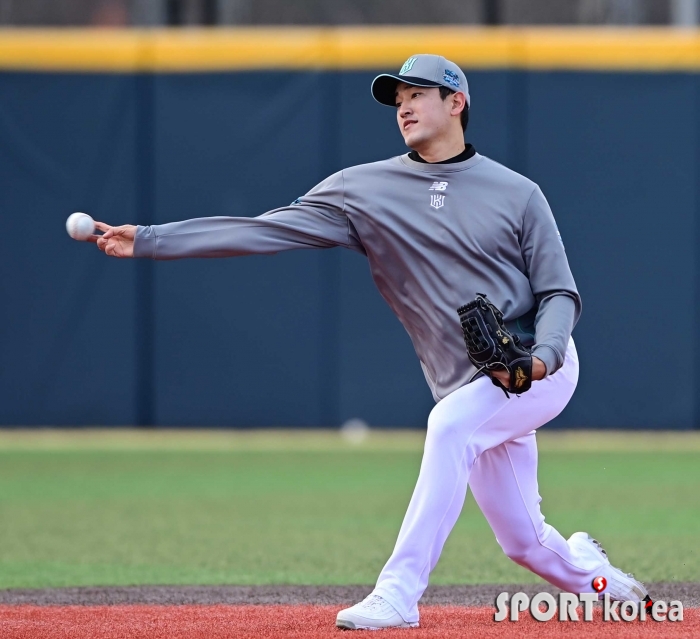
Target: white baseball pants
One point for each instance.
(478, 437)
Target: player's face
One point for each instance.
(421, 113)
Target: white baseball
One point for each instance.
(80, 226)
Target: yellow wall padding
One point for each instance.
(223, 49)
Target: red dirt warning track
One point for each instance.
(222, 621)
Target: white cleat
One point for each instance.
(372, 613)
(620, 586)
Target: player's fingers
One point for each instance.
(115, 249)
(127, 230)
(93, 238)
(117, 231)
(102, 226)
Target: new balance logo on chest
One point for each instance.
(438, 201)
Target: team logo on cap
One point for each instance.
(407, 66)
(451, 78)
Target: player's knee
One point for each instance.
(522, 550)
(519, 555)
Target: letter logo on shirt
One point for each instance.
(438, 186)
(437, 201)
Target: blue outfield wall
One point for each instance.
(303, 338)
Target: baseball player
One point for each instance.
(439, 225)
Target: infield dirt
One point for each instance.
(296, 621)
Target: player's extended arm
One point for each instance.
(551, 281)
(315, 220)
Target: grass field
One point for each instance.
(126, 507)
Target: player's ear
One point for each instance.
(459, 103)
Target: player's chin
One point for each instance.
(413, 138)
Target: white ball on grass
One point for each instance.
(80, 226)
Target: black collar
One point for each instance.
(469, 152)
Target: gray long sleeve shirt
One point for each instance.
(434, 235)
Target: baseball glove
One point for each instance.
(491, 347)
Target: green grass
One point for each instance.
(122, 507)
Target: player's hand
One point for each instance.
(117, 241)
(539, 370)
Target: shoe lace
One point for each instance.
(372, 602)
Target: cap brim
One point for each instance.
(384, 86)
